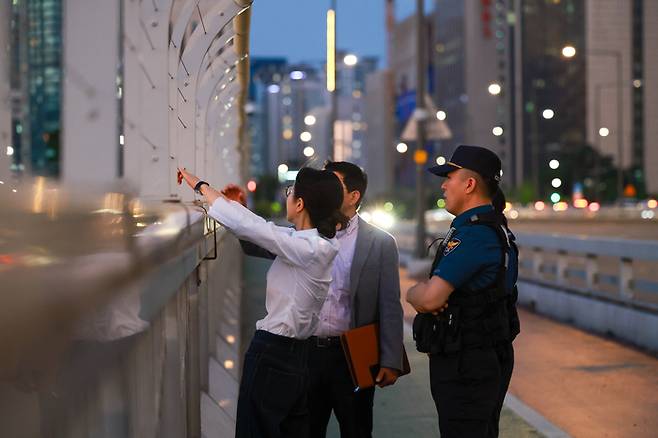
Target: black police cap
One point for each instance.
(475, 158)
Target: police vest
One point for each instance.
(473, 318)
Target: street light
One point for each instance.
(548, 113)
(497, 131)
(440, 161)
(305, 136)
(441, 115)
(494, 89)
(297, 75)
(331, 49)
(401, 147)
(350, 60)
(309, 120)
(604, 132)
(554, 164)
(568, 51)
(309, 151)
(420, 154)
(557, 182)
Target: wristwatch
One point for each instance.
(197, 187)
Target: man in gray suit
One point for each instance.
(365, 289)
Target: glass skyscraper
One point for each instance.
(37, 78)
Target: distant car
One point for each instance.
(438, 215)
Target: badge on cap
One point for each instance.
(450, 247)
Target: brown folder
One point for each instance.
(361, 347)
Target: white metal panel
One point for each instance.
(187, 151)
(90, 108)
(146, 98)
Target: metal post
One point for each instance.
(331, 57)
(620, 130)
(591, 272)
(420, 139)
(597, 142)
(534, 127)
(620, 117)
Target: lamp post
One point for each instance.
(599, 132)
(420, 114)
(569, 52)
(534, 129)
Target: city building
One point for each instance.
(299, 91)
(6, 142)
(583, 74)
(351, 131)
(621, 73)
(550, 105)
(290, 111)
(470, 56)
(650, 95)
(402, 63)
(36, 81)
(380, 154)
(263, 73)
(504, 80)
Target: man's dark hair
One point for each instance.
(353, 176)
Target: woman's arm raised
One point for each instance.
(249, 226)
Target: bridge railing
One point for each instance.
(623, 271)
(118, 317)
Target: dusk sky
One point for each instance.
(295, 29)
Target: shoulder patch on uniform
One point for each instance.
(452, 244)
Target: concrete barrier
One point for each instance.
(629, 324)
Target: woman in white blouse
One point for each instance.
(273, 400)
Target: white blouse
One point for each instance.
(297, 281)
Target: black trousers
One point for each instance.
(331, 388)
(469, 388)
(273, 400)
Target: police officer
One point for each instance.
(467, 316)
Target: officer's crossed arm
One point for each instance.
(431, 295)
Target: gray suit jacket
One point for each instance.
(374, 286)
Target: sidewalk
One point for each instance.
(568, 382)
(587, 385)
(404, 410)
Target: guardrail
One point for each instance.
(619, 270)
(118, 317)
(624, 271)
(605, 285)
(641, 211)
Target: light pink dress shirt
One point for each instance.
(336, 310)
